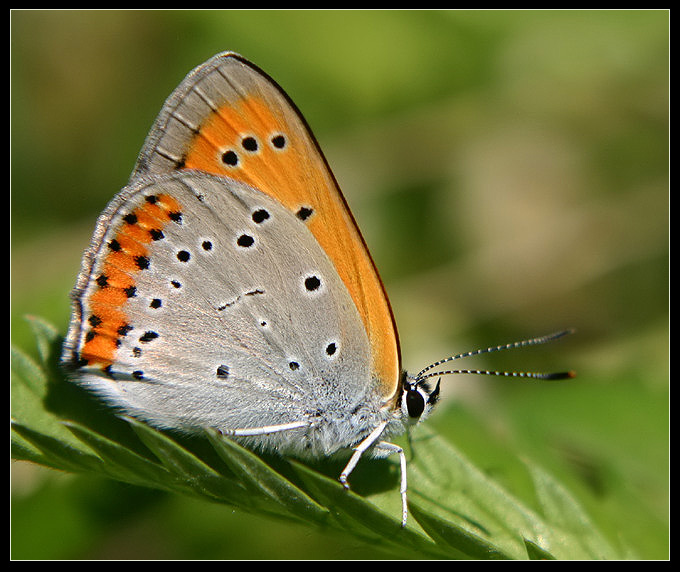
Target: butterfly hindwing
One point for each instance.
(220, 314)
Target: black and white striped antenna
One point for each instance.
(423, 375)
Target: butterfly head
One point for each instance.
(418, 397)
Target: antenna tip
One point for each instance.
(562, 375)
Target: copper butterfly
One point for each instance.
(228, 286)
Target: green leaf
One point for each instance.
(456, 511)
(21, 451)
(462, 543)
(580, 538)
(30, 385)
(28, 372)
(447, 487)
(191, 472)
(535, 552)
(450, 488)
(58, 453)
(120, 462)
(260, 479)
(363, 518)
(48, 340)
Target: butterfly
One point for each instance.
(228, 286)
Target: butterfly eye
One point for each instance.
(415, 403)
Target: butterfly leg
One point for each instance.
(359, 450)
(265, 430)
(390, 448)
(387, 448)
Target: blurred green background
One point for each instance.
(509, 170)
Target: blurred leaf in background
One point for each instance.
(509, 171)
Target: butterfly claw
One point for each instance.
(343, 481)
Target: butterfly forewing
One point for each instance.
(229, 118)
